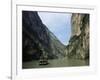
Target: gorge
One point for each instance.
(36, 37)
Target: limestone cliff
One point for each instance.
(78, 46)
(36, 36)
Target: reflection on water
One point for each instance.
(63, 62)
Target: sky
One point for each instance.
(58, 23)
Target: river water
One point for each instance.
(63, 62)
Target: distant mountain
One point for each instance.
(36, 37)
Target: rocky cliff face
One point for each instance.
(79, 42)
(36, 36)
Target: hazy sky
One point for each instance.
(58, 23)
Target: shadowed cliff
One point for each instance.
(36, 36)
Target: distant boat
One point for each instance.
(43, 59)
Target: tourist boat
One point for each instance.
(43, 59)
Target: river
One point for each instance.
(63, 62)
